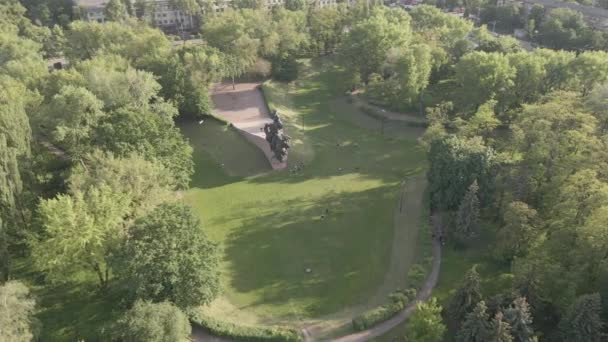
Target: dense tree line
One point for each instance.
(521, 147)
(90, 162)
(518, 146)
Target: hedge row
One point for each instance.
(246, 333)
(398, 301)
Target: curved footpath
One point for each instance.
(200, 335)
(423, 295)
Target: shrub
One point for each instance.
(153, 322)
(246, 333)
(398, 301)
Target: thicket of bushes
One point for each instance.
(398, 301)
(246, 333)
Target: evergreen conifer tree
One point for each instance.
(466, 297)
(476, 327)
(582, 322)
(468, 214)
(500, 329)
(519, 317)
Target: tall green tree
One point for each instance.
(187, 74)
(414, 70)
(597, 102)
(482, 123)
(71, 117)
(115, 10)
(484, 76)
(150, 133)
(80, 233)
(467, 217)
(564, 28)
(113, 81)
(476, 327)
(545, 131)
(139, 43)
(365, 47)
(582, 322)
(145, 184)
(520, 319)
(426, 324)
(455, 164)
(558, 73)
(17, 309)
(530, 74)
(20, 58)
(168, 257)
(15, 141)
(591, 69)
(326, 25)
(518, 232)
(228, 33)
(466, 297)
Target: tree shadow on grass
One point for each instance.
(343, 238)
(78, 312)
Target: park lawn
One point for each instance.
(270, 224)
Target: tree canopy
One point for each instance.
(168, 257)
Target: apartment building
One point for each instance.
(165, 16)
(92, 10)
(159, 13)
(162, 14)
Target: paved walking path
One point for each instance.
(423, 295)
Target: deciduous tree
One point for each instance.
(484, 76)
(154, 322)
(518, 232)
(115, 10)
(168, 257)
(80, 233)
(455, 164)
(17, 309)
(365, 47)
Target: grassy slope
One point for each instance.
(270, 225)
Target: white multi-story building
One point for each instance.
(92, 10)
(163, 15)
(158, 12)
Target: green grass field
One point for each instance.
(270, 224)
